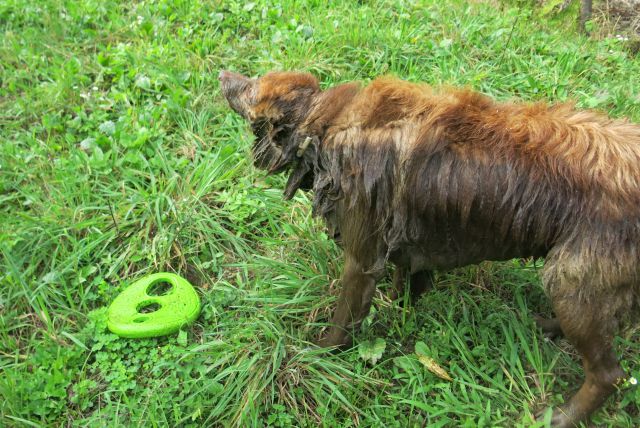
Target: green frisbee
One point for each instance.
(155, 305)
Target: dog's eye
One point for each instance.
(260, 128)
(280, 133)
(276, 133)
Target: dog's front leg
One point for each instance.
(354, 303)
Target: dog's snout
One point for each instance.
(234, 88)
(232, 78)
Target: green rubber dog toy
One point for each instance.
(147, 308)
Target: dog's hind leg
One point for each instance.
(419, 282)
(587, 303)
(592, 293)
(358, 286)
(588, 330)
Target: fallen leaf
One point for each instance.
(434, 367)
(421, 351)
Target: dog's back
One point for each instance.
(452, 168)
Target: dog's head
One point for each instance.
(275, 105)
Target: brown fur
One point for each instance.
(439, 178)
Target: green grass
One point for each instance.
(118, 157)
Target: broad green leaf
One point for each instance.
(372, 350)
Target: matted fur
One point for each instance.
(496, 180)
(436, 178)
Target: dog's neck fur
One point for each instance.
(311, 132)
(326, 107)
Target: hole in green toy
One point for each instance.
(147, 307)
(159, 288)
(140, 319)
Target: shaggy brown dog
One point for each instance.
(436, 179)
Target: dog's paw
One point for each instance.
(550, 327)
(559, 417)
(335, 340)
